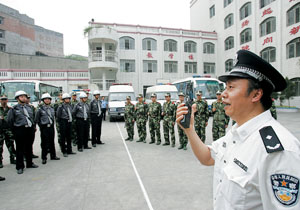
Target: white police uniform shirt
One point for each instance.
(247, 177)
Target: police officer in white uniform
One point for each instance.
(256, 164)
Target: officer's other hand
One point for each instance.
(182, 110)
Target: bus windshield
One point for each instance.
(120, 96)
(209, 88)
(161, 95)
(10, 88)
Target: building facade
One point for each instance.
(66, 73)
(270, 28)
(145, 56)
(19, 34)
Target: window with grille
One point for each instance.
(293, 15)
(245, 11)
(293, 48)
(208, 48)
(269, 54)
(229, 43)
(170, 66)
(246, 36)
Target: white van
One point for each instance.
(160, 91)
(117, 99)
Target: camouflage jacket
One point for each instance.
(3, 117)
(141, 111)
(129, 114)
(73, 103)
(219, 114)
(202, 112)
(154, 110)
(169, 111)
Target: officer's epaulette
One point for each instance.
(270, 139)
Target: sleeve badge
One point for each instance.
(285, 188)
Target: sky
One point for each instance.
(70, 17)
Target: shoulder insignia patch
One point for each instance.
(270, 139)
(285, 188)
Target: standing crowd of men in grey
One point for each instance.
(18, 124)
(155, 112)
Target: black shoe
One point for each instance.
(101, 142)
(1, 165)
(44, 161)
(65, 155)
(87, 147)
(166, 144)
(94, 145)
(80, 150)
(151, 142)
(32, 166)
(34, 156)
(140, 140)
(20, 171)
(180, 147)
(98, 142)
(55, 158)
(127, 139)
(158, 143)
(71, 153)
(2, 178)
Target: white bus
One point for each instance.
(208, 86)
(33, 88)
(160, 91)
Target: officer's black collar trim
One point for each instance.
(253, 73)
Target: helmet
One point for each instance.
(96, 92)
(19, 93)
(66, 95)
(82, 95)
(46, 95)
(74, 93)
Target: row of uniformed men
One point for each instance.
(20, 125)
(155, 112)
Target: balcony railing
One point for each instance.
(108, 56)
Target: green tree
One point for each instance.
(287, 93)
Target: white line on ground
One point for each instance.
(136, 172)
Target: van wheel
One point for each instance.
(111, 119)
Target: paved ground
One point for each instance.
(115, 176)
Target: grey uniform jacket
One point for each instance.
(78, 110)
(42, 117)
(17, 118)
(94, 107)
(62, 111)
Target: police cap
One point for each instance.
(218, 92)
(180, 94)
(140, 96)
(167, 95)
(153, 95)
(74, 94)
(3, 97)
(249, 65)
(198, 93)
(128, 98)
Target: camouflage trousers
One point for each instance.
(142, 130)
(74, 133)
(200, 129)
(169, 127)
(154, 128)
(183, 140)
(218, 129)
(129, 125)
(6, 136)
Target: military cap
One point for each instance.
(180, 94)
(198, 93)
(140, 96)
(167, 95)
(74, 94)
(128, 97)
(218, 92)
(153, 95)
(3, 97)
(250, 65)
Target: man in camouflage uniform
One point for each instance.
(201, 116)
(6, 134)
(183, 140)
(55, 106)
(220, 120)
(74, 131)
(141, 113)
(154, 113)
(129, 117)
(168, 113)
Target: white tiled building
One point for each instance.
(269, 28)
(146, 55)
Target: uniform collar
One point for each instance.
(251, 126)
